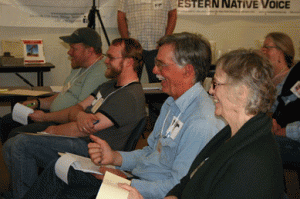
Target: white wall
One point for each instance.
(232, 32)
(229, 32)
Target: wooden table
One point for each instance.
(29, 68)
(14, 98)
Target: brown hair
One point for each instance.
(132, 49)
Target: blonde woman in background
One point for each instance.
(279, 49)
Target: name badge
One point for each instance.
(296, 89)
(97, 105)
(174, 128)
(157, 5)
(98, 96)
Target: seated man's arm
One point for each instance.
(80, 107)
(45, 103)
(293, 131)
(88, 126)
(62, 116)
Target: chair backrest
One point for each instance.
(135, 135)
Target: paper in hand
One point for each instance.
(20, 113)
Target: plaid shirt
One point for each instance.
(147, 19)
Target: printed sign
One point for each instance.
(240, 7)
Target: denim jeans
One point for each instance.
(48, 185)
(25, 153)
(9, 128)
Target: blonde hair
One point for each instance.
(285, 44)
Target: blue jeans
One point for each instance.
(25, 153)
(9, 128)
(48, 185)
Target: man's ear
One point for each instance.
(189, 70)
(91, 50)
(129, 62)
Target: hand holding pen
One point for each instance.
(86, 122)
(31, 104)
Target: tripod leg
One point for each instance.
(103, 28)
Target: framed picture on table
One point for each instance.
(33, 51)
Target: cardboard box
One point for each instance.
(11, 61)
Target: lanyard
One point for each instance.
(99, 100)
(72, 81)
(118, 90)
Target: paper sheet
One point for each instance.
(56, 89)
(48, 134)
(110, 189)
(77, 162)
(20, 113)
(62, 166)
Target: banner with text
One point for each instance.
(240, 7)
(55, 13)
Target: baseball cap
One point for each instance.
(87, 36)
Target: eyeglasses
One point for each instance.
(216, 84)
(160, 65)
(111, 57)
(269, 47)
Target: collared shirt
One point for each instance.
(162, 164)
(292, 129)
(147, 19)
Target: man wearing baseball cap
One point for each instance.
(86, 36)
(86, 75)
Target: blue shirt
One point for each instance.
(292, 129)
(161, 171)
